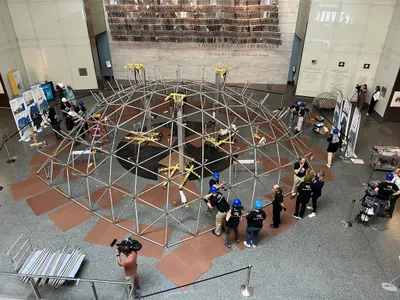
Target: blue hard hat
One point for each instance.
(335, 131)
(213, 190)
(258, 205)
(389, 177)
(81, 103)
(295, 101)
(216, 175)
(236, 202)
(302, 104)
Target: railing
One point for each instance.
(127, 291)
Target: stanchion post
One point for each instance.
(347, 223)
(6, 138)
(34, 289)
(246, 289)
(95, 297)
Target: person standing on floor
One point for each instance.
(130, 268)
(386, 191)
(301, 114)
(294, 110)
(216, 199)
(374, 98)
(300, 170)
(55, 123)
(316, 188)
(233, 218)
(396, 181)
(254, 224)
(335, 142)
(303, 197)
(214, 181)
(361, 97)
(277, 206)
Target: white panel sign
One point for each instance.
(353, 133)
(338, 79)
(345, 117)
(311, 78)
(21, 117)
(338, 110)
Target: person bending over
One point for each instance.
(396, 181)
(385, 192)
(130, 267)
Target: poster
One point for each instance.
(338, 109)
(41, 100)
(311, 78)
(395, 100)
(353, 133)
(33, 110)
(21, 118)
(338, 79)
(345, 119)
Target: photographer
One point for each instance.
(130, 266)
(362, 91)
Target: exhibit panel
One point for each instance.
(345, 42)
(255, 38)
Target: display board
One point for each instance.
(345, 119)
(338, 110)
(41, 100)
(21, 117)
(48, 90)
(33, 110)
(353, 133)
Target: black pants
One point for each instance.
(314, 199)
(371, 106)
(276, 215)
(57, 129)
(392, 205)
(300, 207)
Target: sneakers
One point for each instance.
(237, 241)
(214, 233)
(312, 215)
(253, 245)
(247, 245)
(367, 114)
(328, 165)
(296, 217)
(228, 245)
(309, 207)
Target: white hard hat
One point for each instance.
(64, 99)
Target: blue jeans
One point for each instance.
(254, 231)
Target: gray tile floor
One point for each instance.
(315, 259)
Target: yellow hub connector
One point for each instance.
(222, 70)
(137, 67)
(177, 98)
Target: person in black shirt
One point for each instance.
(216, 199)
(335, 142)
(316, 188)
(233, 218)
(294, 110)
(214, 181)
(54, 122)
(301, 114)
(300, 170)
(303, 197)
(277, 206)
(254, 224)
(385, 191)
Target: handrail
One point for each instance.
(65, 278)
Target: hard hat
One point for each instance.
(295, 102)
(213, 190)
(81, 103)
(302, 104)
(258, 205)
(64, 99)
(236, 202)
(389, 177)
(216, 175)
(335, 131)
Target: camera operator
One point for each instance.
(130, 267)
(362, 91)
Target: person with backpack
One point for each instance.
(255, 221)
(232, 220)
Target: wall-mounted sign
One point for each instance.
(314, 61)
(383, 92)
(366, 66)
(395, 100)
(341, 63)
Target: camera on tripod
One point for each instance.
(128, 245)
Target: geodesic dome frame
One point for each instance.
(120, 182)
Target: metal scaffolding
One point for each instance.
(140, 105)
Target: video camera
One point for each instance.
(127, 244)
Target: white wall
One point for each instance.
(302, 18)
(98, 19)
(10, 55)
(54, 41)
(390, 62)
(350, 31)
(268, 65)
